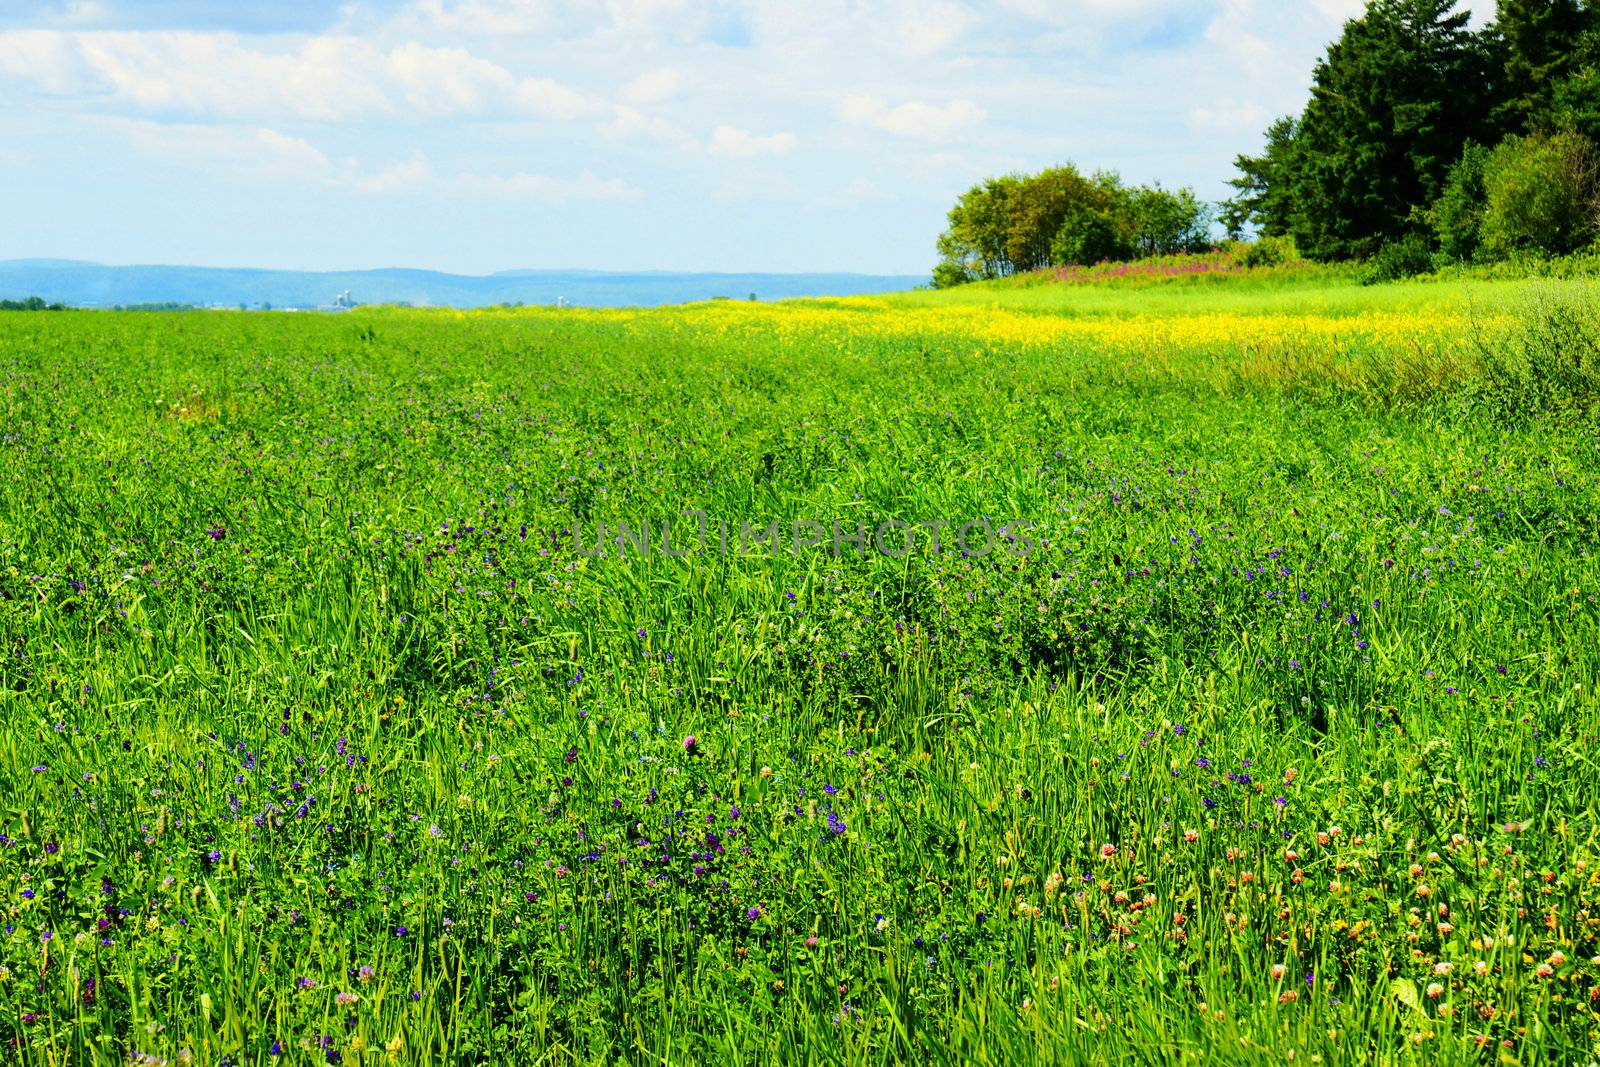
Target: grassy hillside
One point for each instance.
(1262, 725)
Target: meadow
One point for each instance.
(1263, 729)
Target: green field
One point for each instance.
(1271, 734)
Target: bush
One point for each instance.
(1542, 195)
(1264, 251)
(1090, 235)
(1167, 223)
(1401, 257)
(1550, 361)
(1456, 218)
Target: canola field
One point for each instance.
(1084, 673)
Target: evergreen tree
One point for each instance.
(1538, 44)
(1393, 102)
(1263, 198)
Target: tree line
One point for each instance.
(32, 303)
(1018, 223)
(1423, 141)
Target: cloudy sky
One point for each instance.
(483, 135)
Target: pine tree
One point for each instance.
(1393, 102)
(1538, 44)
(1263, 185)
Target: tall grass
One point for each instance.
(1281, 741)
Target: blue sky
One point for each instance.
(483, 135)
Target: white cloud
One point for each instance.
(629, 122)
(487, 17)
(653, 86)
(543, 18)
(912, 119)
(253, 152)
(1247, 118)
(44, 58)
(523, 186)
(552, 100)
(410, 176)
(732, 141)
(1341, 9)
(327, 78)
(416, 175)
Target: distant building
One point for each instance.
(342, 302)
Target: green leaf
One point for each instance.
(1405, 991)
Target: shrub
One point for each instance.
(1264, 251)
(1542, 194)
(1090, 234)
(1401, 257)
(949, 274)
(1456, 218)
(1550, 361)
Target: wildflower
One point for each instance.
(346, 999)
(1107, 851)
(1278, 970)
(1435, 990)
(366, 973)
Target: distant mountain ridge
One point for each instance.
(98, 285)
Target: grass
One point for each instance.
(1280, 738)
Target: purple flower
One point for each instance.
(216, 533)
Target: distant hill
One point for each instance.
(94, 284)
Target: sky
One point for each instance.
(481, 135)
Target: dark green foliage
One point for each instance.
(1533, 42)
(1399, 104)
(974, 244)
(1401, 257)
(1090, 234)
(1167, 223)
(1264, 200)
(1267, 251)
(1392, 104)
(1042, 205)
(1458, 213)
(32, 303)
(1021, 223)
(1542, 195)
(1575, 103)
